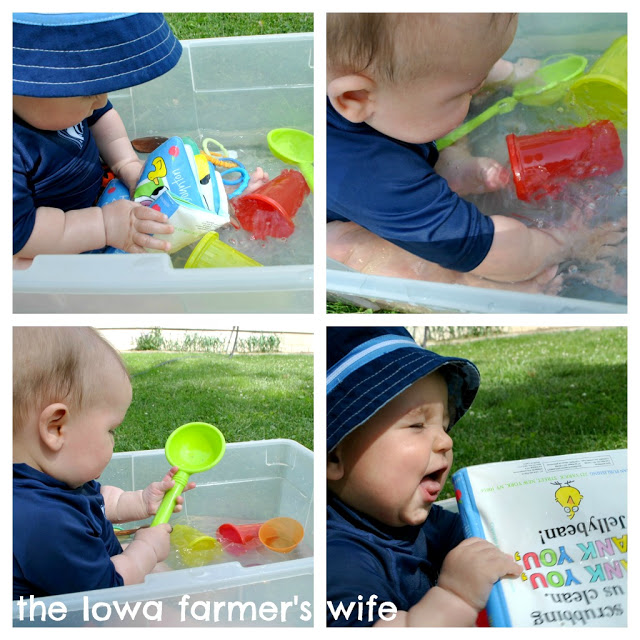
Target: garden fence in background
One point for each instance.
(428, 335)
(232, 340)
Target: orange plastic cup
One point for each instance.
(281, 534)
(269, 211)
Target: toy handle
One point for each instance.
(502, 106)
(307, 171)
(169, 501)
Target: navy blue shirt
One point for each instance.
(60, 169)
(397, 564)
(62, 540)
(391, 188)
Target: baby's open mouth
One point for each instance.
(432, 483)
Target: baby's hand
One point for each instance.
(152, 496)
(471, 569)
(588, 244)
(158, 538)
(127, 225)
(258, 179)
(504, 72)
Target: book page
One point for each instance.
(564, 519)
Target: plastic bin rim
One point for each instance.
(270, 37)
(230, 446)
(449, 296)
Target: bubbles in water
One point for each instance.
(603, 199)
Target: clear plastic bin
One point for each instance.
(538, 36)
(235, 89)
(253, 482)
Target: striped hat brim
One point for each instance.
(366, 373)
(83, 54)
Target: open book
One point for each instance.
(564, 519)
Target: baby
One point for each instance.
(65, 128)
(390, 407)
(395, 84)
(70, 393)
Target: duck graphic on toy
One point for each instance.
(179, 181)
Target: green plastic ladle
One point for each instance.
(194, 447)
(293, 146)
(546, 86)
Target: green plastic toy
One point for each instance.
(293, 146)
(194, 447)
(545, 87)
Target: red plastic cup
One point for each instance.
(270, 210)
(238, 533)
(542, 164)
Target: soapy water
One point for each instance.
(297, 249)
(601, 199)
(257, 554)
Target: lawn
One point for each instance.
(248, 397)
(542, 395)
(346, 307)
(188, 26)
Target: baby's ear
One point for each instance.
(51, 423)
(351, 96)
(335, 468)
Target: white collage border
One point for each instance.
(320, 320)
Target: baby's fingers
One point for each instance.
(618, 251)
(512, 568)
(145, 241)
(167, 480)
(151, 226)
(150, 213)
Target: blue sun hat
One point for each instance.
(82, 54)
(369, 366)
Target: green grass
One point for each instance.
(345, 307)
(543, 395)
(188, 26)
(248, 397)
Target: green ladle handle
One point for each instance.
(169, 501)
(502, 106)
(307, 171)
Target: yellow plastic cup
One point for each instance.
(211, 252)
(195, 548)
(281, 534)
(601, 93)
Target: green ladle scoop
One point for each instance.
(545, 87)
(194, 447)
(293, 146)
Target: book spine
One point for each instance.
(497, 611)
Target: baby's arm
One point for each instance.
(149, 547)
(115, 148)
(520, 253)
(125, 506)
(468, 574)
(122, 224)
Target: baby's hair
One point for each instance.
(57, 364)
(382, 44)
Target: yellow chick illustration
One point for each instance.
(569, 498)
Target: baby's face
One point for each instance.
(396, 464)
(89, 434)
(56, 114)
(435, 103)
